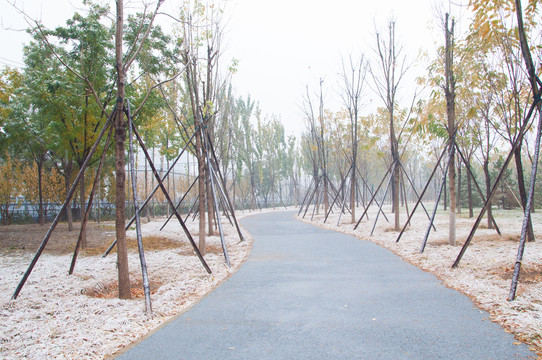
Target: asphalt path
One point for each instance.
(309, 293)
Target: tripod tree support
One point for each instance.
(212, 180)
(450, 158)
(373, 197)
(145, 203)
(224, 191)
(527, 214)
(180, 202)
(63, 208)
(422, 194)
(497, 180)
(536, 86)
(90, 202)
(168, 198)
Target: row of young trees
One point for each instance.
(95, 75)
(473, 104)
(84, 78)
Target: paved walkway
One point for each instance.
(308, 293)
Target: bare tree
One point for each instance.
(387, 77)
(202, 29)
(353, 84)
(449, 91)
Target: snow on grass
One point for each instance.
(53, 318)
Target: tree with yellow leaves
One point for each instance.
(52, 187)
(10, 187)
(10, 81)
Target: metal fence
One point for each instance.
(26, 213)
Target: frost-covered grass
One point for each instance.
(53, 319)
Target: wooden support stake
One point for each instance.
(147, 200)
(373, 197)
(417, 196)
(90, 202)
(172, 206)
(337, 195)
(63, 208)
(133, 175)
(424, 243)
(494, 188)
(528, 208)
(225, 193)
(423, 192)
(309, 191)
(212, 179)
(477, 186)
(384, 197)
(180, 202)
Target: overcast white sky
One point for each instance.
(282, 45)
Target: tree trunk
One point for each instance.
(120, 171)
(469, 189)
(147, 212)
(209, 196)
(459, 187)
(396, 197)
(67, 184)
(453, 197)
(152, 185)
(450, 110)
(83, 212)
(445, 194)
(99, 200)
(353, 188)
(396, 173)
(522, 192)
(41, 217)
(201, 193)
(488, 192)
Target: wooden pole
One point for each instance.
(383, 197)
(223, 188)
(146, 202)
(373, 197)
(183, 225)
(180, 202)
(90, 202)
(314, 191)
(309, 191)
(424, 243)
(344, 194)
(143, 263)
(212, 180)
(527, 214)
(423, 193)
(66, 201)
(337, 195)
(536, 85)
(417, 196)
(494, 188)
(477, 185)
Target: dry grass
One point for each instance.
(150, 243)
(110, 289)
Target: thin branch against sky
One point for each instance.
(282, 45)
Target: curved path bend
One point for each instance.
(309, 293)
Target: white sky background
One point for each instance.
(282, 45)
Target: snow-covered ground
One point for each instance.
(53, 318)
(485, 271)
